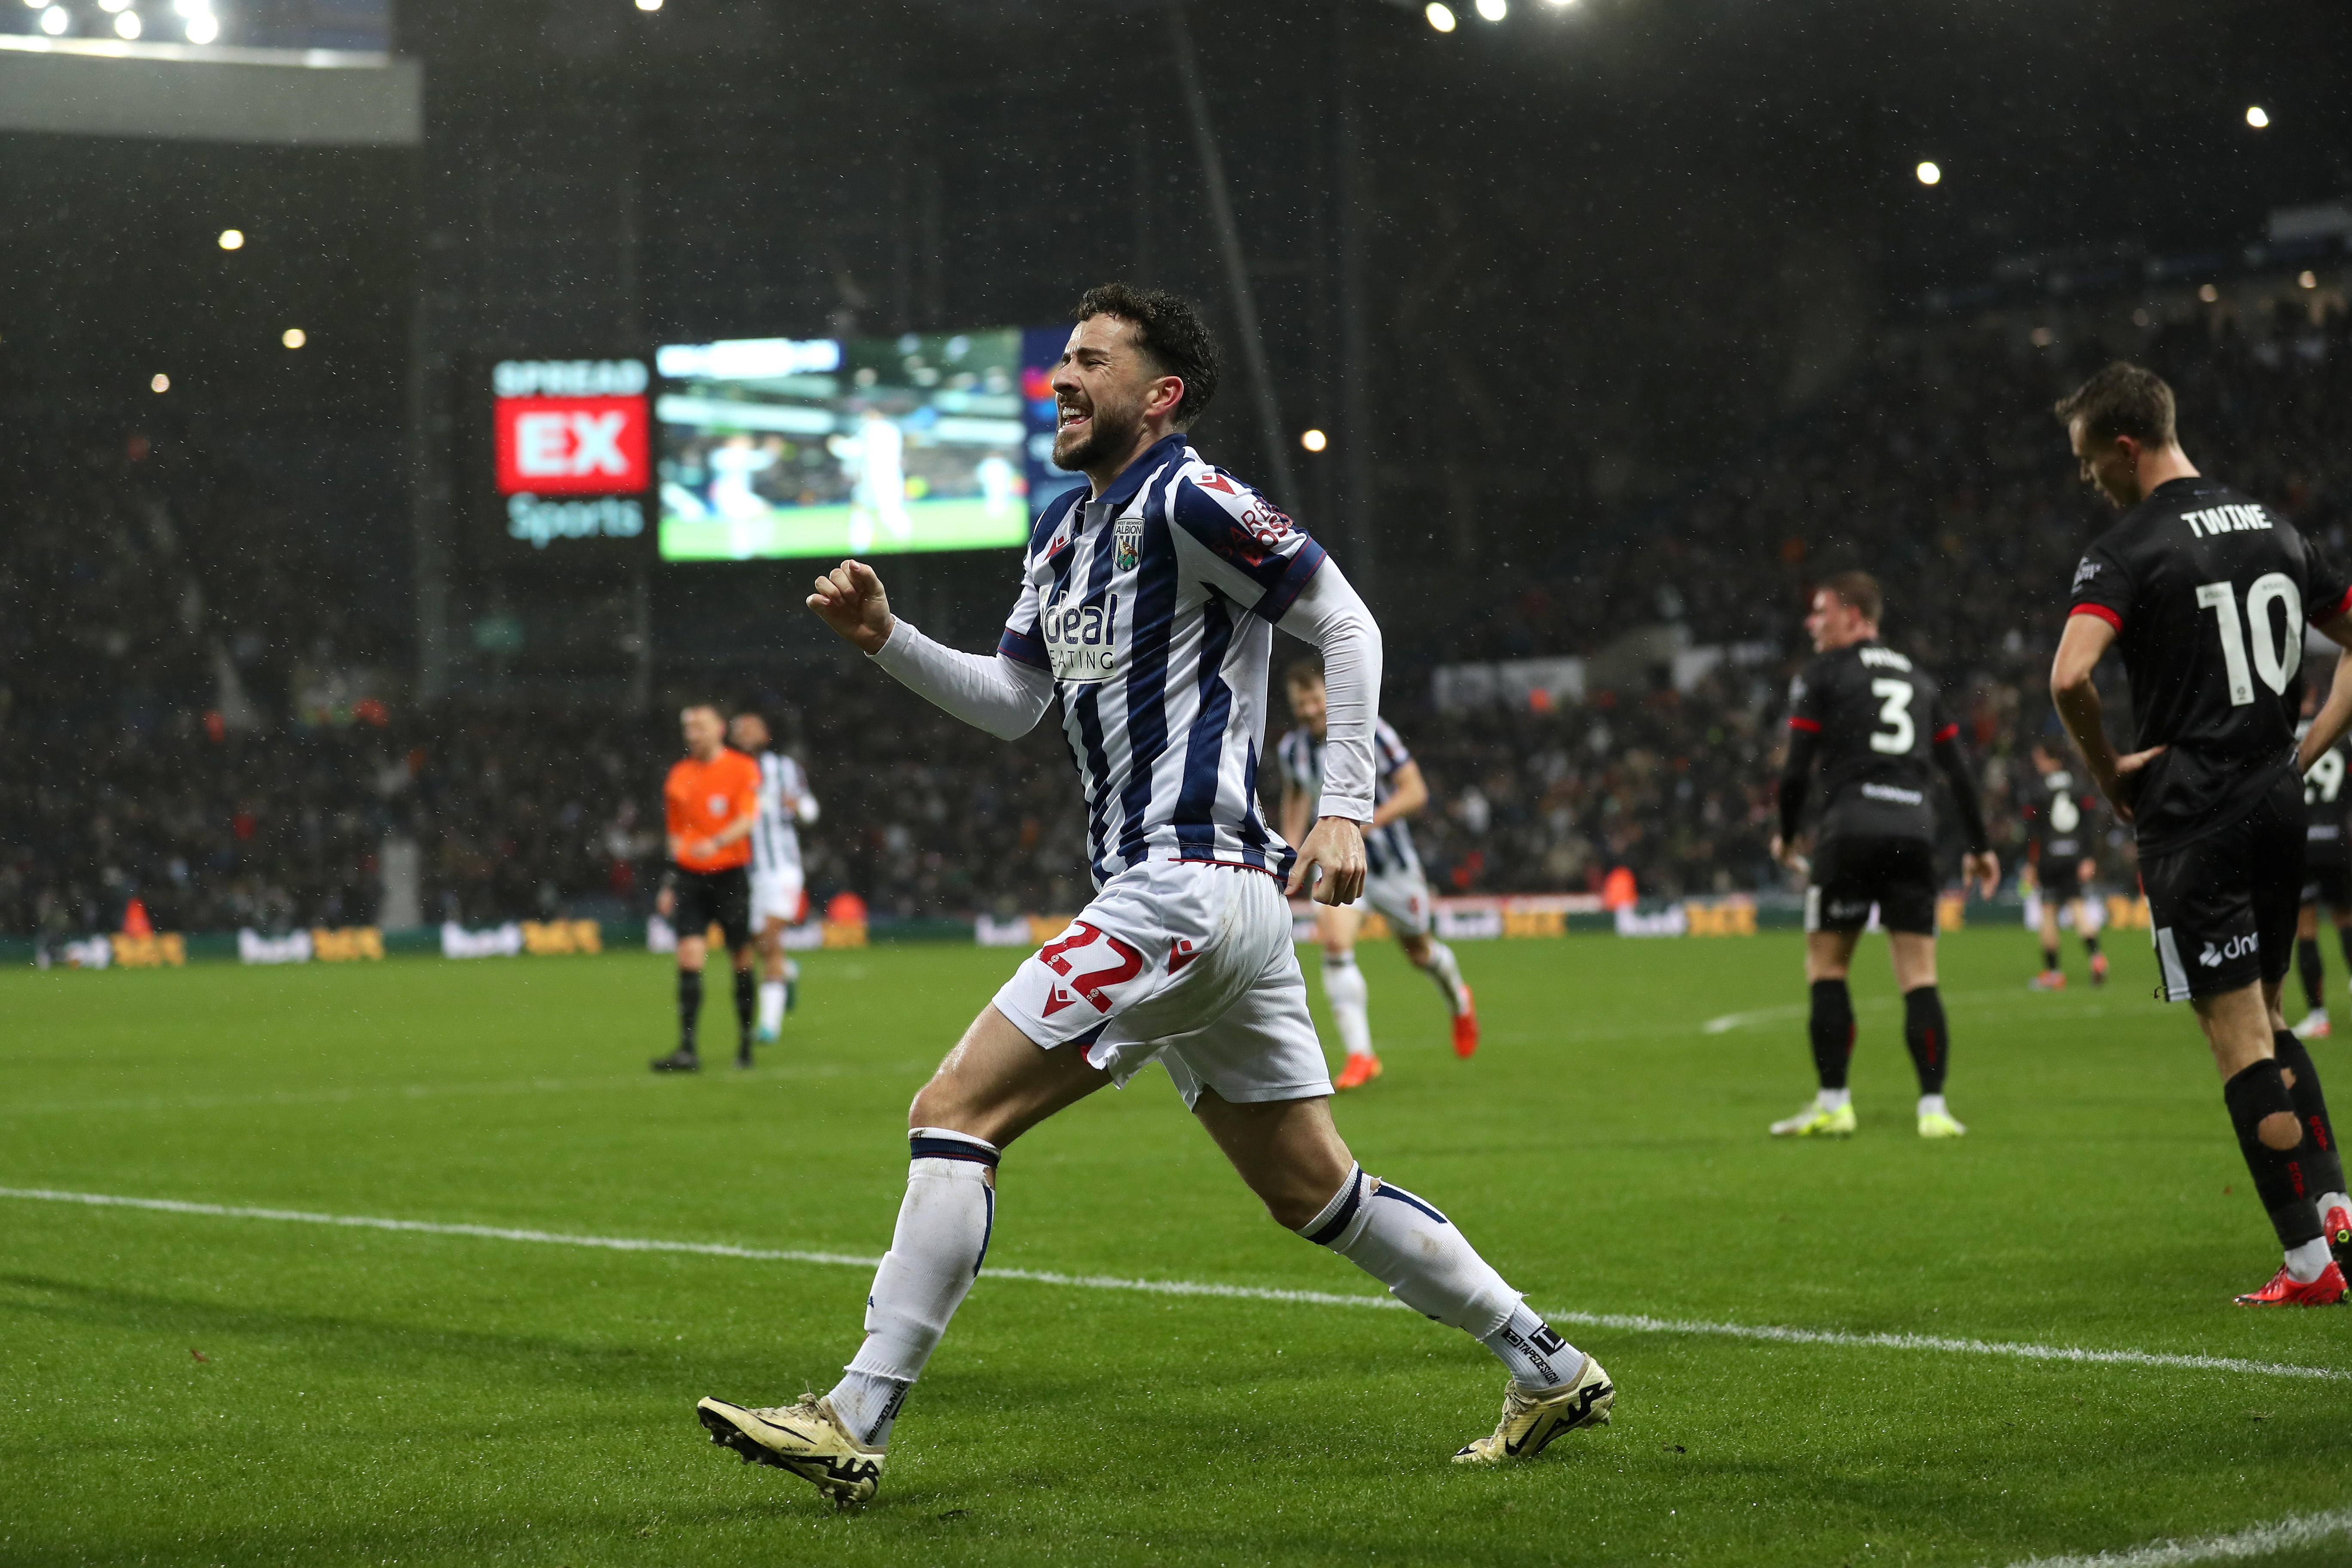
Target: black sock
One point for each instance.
(1833, 1032)
(2049, 961)
(747, 996)
(2314, 974)
(2343, 940)
(2255, 1094)
(1924, 1032)
(2322, 1160)
(689, 1008)
(2091, 945)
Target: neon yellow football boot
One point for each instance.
(1531, 1420)
(1814, 1122)
(807, 1439)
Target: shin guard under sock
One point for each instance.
(2256, 1096)
(1443, 969)
(1926, 1035)
(747, 997)
(689, 1008)
(1344, 988)
(1832, 1028)
(2322, 1162)
(2311, 972)
(941, 1240)
(1415, 1251)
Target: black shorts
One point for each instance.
(723, 897)
(2327, 878)
(1852, 872)
(2224, 906)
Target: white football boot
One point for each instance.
(1531, 1420)
(807, 1438)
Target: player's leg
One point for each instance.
(2341, 912)
(693, 914)
(1344, 989)
(1907, 908)
(2321, 1156)
(1835, 917)
(1403, 899)
(2052, 977)
(993, 1087)
(733, 898)
(2309, 967)
(772, 976)
(2089, 918)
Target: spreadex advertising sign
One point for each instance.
(577, 431)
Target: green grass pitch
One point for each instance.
(366, 1397)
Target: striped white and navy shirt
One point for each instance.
(784, 799)
(1153, 608)
(1387, 850)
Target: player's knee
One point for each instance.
(2281, 1129)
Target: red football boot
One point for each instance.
(2098, 969)
(1466, 1026)
(1359, 1071)
(2335, 1224)
(2284, 1290)
(2048, 979)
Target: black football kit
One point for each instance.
(1876, 725)
(2209, 594)
(2061, 829)
(2326, 858)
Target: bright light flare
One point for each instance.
(1494, 10)
(231, 239)
(1440, 16)
(2208, 293)
(649, 5)
(1928, 173)
(2307, 280)
(54, 21)
(203, 29)
(159, 384)
(2258, 117)
(1314, 440)
(127, 25)
(294, 337)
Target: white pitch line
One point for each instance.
(2280, 1535)
(1724, 1023)
(1634, 1322)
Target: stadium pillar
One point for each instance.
(1355, 353)
(1229, 241)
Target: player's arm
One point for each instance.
(1796, 780)
(2335, 715)
(1328, 613)
(1003, 695)
(2086, 639)
(1408, 792)
(1979, 865)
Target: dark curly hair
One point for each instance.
(1169, 330)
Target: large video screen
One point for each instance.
(779, 447)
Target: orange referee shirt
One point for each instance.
(701, 798)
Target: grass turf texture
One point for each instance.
(380, 1397)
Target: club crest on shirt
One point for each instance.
(2084, 572)
(1127, 544)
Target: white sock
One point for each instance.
(1538, 1358)
(1415, 1251)
(1343, 987)
(2332, 1201)
(2309, 1261)
(1833, 1098)
(1442, 968)
(1932, 1105)
(771, 1004)
(935, 1254)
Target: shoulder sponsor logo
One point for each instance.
(2086, 569)
(2215, 520)
(1217, 482)
(1892, 793)
(1883, 658)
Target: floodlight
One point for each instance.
(295, 337)
(192, 8)
(126, 25)
(1494, 10)
(649, 5)
(112, 4)
(1928, 173)
(203, 29)
(159, 384)
(2209, 293)
(54, 21)
(2308, 279)
(231, 239)
(35, 4)
(1314, 440)
(1440, 16)
(2258, 117)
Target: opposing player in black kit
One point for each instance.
(2206, 593)
(2061, 826)
(2326, 876)
(1874, 722)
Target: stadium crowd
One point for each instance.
(173, 735)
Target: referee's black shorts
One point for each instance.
(1853, 871)
(723, 897)
(2224, 905)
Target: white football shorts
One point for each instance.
(1402, 896)
(775, 895)
(1188, 962)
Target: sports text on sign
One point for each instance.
(572, 445)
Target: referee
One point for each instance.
(711, 799)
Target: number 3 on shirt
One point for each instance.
(1895, 712)
(2275, 663)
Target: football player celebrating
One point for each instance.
(2206, 593)
(776, 880)
(1394, 884)
(1874, 722)
(1148, 606)
(2059, 831)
